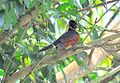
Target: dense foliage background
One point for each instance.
(26, 26)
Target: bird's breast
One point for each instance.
(72, 41)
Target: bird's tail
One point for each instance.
(46, 48)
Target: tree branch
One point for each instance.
(74, 71)
(101, 4)
(108, 75)
(59, 55)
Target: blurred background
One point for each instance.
(26, 26)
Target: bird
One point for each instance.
(68, 39)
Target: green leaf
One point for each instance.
(61, 23)
(78, 61)
(19, 9)
(20, 30)
(2, 16)
(61, 63)
(106, 63)
(1, 5)
(18, 55)
(93, 75)
(1, 72)
(36, 6)
(42, 8)
(49, 73)
(23, 47)
(14, 65)
(51, 27)
(1, 30)
(94, 34)
(82, 1)
(10, 16)
(65, 1)
(1, 61)
(72, 2)
(30, 31)
(7, 20)
(78, 17)
(8, 48)
(68, 9)
(80, 58)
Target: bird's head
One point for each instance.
(72, 25)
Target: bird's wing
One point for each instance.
(68, 37)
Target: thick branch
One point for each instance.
(61, 55)
(74, 71)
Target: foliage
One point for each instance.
(20, 49)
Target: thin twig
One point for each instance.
(87, 21)
(101, 4)
(92, 51)
(110, 73)
(58, 56)
(113, 17)
(90, 56)
(33, 69)
(107, 11)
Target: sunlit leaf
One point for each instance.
(61, 23)
(30, 31)
(18, 55)
(68, 9)
(93, 75)
(64, 1)
(1, 72)
(106, 63)
(27, 61)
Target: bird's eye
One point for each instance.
(56, 47)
